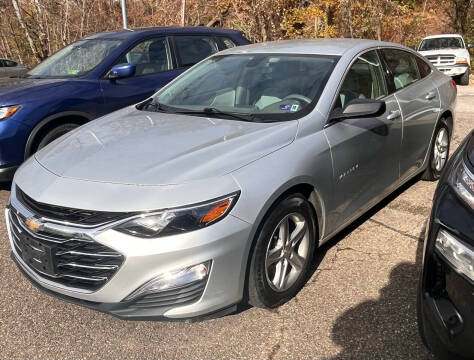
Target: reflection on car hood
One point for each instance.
(137, 147)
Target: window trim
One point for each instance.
(123, 53)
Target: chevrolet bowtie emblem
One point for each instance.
(33, 224)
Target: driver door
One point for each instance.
(365, 150)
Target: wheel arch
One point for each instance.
(48, 123)
(447, 117)
(309, 191)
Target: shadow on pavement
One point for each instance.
(385, 328)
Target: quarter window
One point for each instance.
(228, 43)
(150, 56)
(364, 80)
(423, 67)
(192, 49)
(402, 66)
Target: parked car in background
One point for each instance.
(220, 187)
(92, 77)
(450, 55)
(446, 292)
(11, 68)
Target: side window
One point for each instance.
(364, 80)
(192, 49)
(423, 67)
(150, 56)
(10, 63)
(2, 63)
(403, 67)
(228, 43)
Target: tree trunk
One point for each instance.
(25, 28)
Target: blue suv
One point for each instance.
(92, 77)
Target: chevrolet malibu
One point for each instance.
(219, 188)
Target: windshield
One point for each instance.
(76, 59)
(270, 87)
(441, 43)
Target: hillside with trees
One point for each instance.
(31, 30)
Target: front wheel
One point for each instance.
(464, 78)
(439, 153)
(283, 253)
(55, 133)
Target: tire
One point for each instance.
(55, 133)
(265, 290)
(464, 78)
(439, 151)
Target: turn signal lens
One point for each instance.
(217, 211)
(461, 61)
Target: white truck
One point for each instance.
(449, 53)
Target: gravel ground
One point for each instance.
(358, 304)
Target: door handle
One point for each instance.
(393, 115)
(430, 95)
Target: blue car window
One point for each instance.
(192, 49)
(150, 56)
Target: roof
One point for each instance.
(310, 46)
(128, 33)
(442, 35)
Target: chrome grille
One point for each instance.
(440, 60)
(74, 262)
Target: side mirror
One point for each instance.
(121, 71)
(470, 46)
(360, 108)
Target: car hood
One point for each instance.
(146, 148)
(18, 90)
(448, 51)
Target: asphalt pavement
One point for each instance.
(358, 304)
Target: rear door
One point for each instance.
(419, 102)
(154, 68)
(365, 151)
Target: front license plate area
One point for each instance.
(37, 255)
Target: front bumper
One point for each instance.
(453, 70)
(225, 244)
(447, 297)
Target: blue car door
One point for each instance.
(154, 68)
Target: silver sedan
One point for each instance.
(220, 188)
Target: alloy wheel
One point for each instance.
(440, 149)
(287, 252)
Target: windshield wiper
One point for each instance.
(215, 111)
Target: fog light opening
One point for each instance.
(172, 280)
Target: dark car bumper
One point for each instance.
(447, 297)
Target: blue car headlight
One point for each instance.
(8, 111)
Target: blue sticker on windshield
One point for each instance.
(286, 107)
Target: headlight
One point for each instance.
(7, 111)
(461, 60)
(463, 183)
(177, 221)
(458, 254)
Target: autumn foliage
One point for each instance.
(33, 29)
